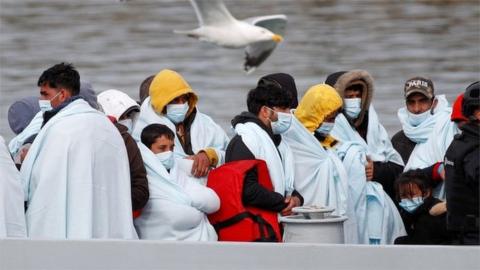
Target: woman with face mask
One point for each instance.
(178, 203)
(423, 215)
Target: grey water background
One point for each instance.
(117, 44)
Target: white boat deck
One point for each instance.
(120, 254)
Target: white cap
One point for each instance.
(115, 103)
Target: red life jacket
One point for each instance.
(235, 221)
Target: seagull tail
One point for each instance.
(249, 70)
(190, 33)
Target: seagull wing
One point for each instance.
(258, 52)
(212, 12)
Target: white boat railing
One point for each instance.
(143, 254)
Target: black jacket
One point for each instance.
(386, 173)
(253, 193)
(403, 145)
(138, 174)
(462, 162)
(423, 228)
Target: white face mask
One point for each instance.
(127, 123)
(282, 124)
(417, 119)
(353, 107)
(325, 128)
(167, 159)
(177, 112)
(46, 104)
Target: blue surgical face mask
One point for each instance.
(46, 105)
(325, 128)
(167, 159)
(410, 205)
(177, 112)
(282, 124)
(417, 119)
(352, 107)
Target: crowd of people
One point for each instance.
(85, 166)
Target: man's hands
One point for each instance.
(292, 201)
(369, 169)
(201, 164)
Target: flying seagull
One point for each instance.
(258, 35)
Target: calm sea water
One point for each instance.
(117, 44)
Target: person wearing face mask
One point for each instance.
(258, 136)
(172, 102)
(426, 128)
(323, 161)
(356, 88)
(178, 203)
(423, 215)
(75, 176)
(123, 110)
(24, 126)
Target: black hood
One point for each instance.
(246, 117)
(471, 129)
(287, 82)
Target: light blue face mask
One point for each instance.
(417, 119)
(410, 205)
(325, 128)
(282, 124)
(167, 159)
(177, 112)
(352, 107)
(46, 105)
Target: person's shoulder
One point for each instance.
(235, 141)
(399, 135)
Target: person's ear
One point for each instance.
(264, 112)
(63, 95)
(434, 105)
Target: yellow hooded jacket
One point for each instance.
(317, 103)
(168, 85)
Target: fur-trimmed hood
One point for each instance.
(343, 79)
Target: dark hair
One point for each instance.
(270, 95)
(355, 87)
(282, 80)
(416, 177)
(471, 99)
(62, 75)
(151, 132)
(145, 88)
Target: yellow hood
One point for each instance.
(168, 85)
(317, 103)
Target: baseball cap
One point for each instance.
(420, 85)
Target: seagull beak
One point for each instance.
(277, 38)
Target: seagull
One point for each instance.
(258, 35)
